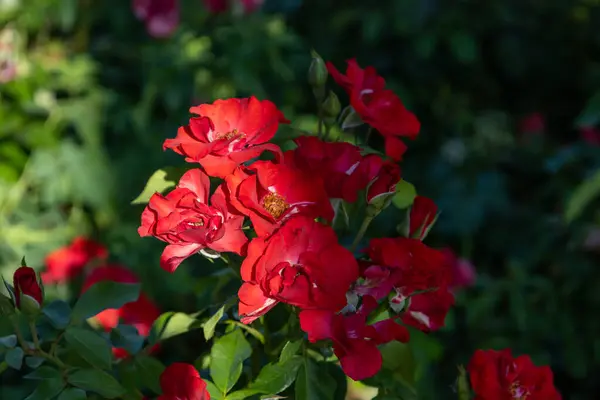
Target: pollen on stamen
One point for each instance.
(275, 204)
(234, 134)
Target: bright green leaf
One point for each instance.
(313, 382)
(227, 356)
(102, 296)
(72, 394)
(289, 350)
(582, 196)
(170, 324)
(158, 182)
(275, 378)
(241, 394)
(59, 313)
(215, 393)
(14, 357)
(405, 194)
(398, 357)
(97, 381)
(92, 347)
(211, 323)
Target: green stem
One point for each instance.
(34, 335)
(320, 129)
(327, 131)
(234, 267)
(254, 332)
(361, 232)
(19, 335)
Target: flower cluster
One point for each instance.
(295, 257)
(89, 258)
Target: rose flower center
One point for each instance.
(275, 204)
(517, 392)
(234, 134)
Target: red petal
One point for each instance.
(174, 254)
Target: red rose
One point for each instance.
(180, 381)
(140, 313)
(184, 219)
(228, 133)
(271, 193)
(380, 108)
(67, 262)
(496, 375)
(426, 310)
(345, 171)
(354, 342)
(384, 182)
(301, 264)
(423, 214)
(28, 291)
(219, 6)
(160, 16)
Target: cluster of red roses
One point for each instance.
(296, 257)
(67, 263)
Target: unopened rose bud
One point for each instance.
(317, 72)
(331, 106)
(28, 290)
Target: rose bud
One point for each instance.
(28, 291)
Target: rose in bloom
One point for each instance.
(424, 310)
(180, 381)
(354, 342)
(28, 291)
(378, 107)
(423, 214)
(67, 262)
(184, 219)
(384, 182)
(227, 134)
(496, 375)
(160, 16)
(301, 264)
(463, 271)
(271, 193)
(140, 313)
(345, 171)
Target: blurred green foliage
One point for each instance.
(93, 97)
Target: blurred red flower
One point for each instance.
(25, 282)
(463, 271)
(68, 262)
(301, 264)
(271, 193)
(378, 107)
(140, 313)
(160, 16)
(185, 220)
(532, 123)
(423, 214)
(354, 342)
(228, 133)
(590, 135)
(496, 375)
(180, 381)
(219, 6)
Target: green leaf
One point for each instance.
(313, 382)
(464, 47)
(44, 372)
(47, 389)
(149, 370)
(211, 323)
(289, 350)
(34, 362)
(241, 394)
(59, 313)
(97, 381)
(92, 347)
(591, 113)
(215, 393)
(72, 394)
(405, 194)
(398, 357)
(102, 296)
(14, 358)
(127, 337)
(275, 378)
(170, 324)
(227, 356)
(9, 341)
(582, 196)
(158, 182)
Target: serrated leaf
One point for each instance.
(211, 323)
(14, 358)
(72, 394)
(170, 324)
(96, 381)
(289, 350)
(103, 296)
(158, 182)
(227, 356)
(275, 378)
(92, 347)
(58, 312)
